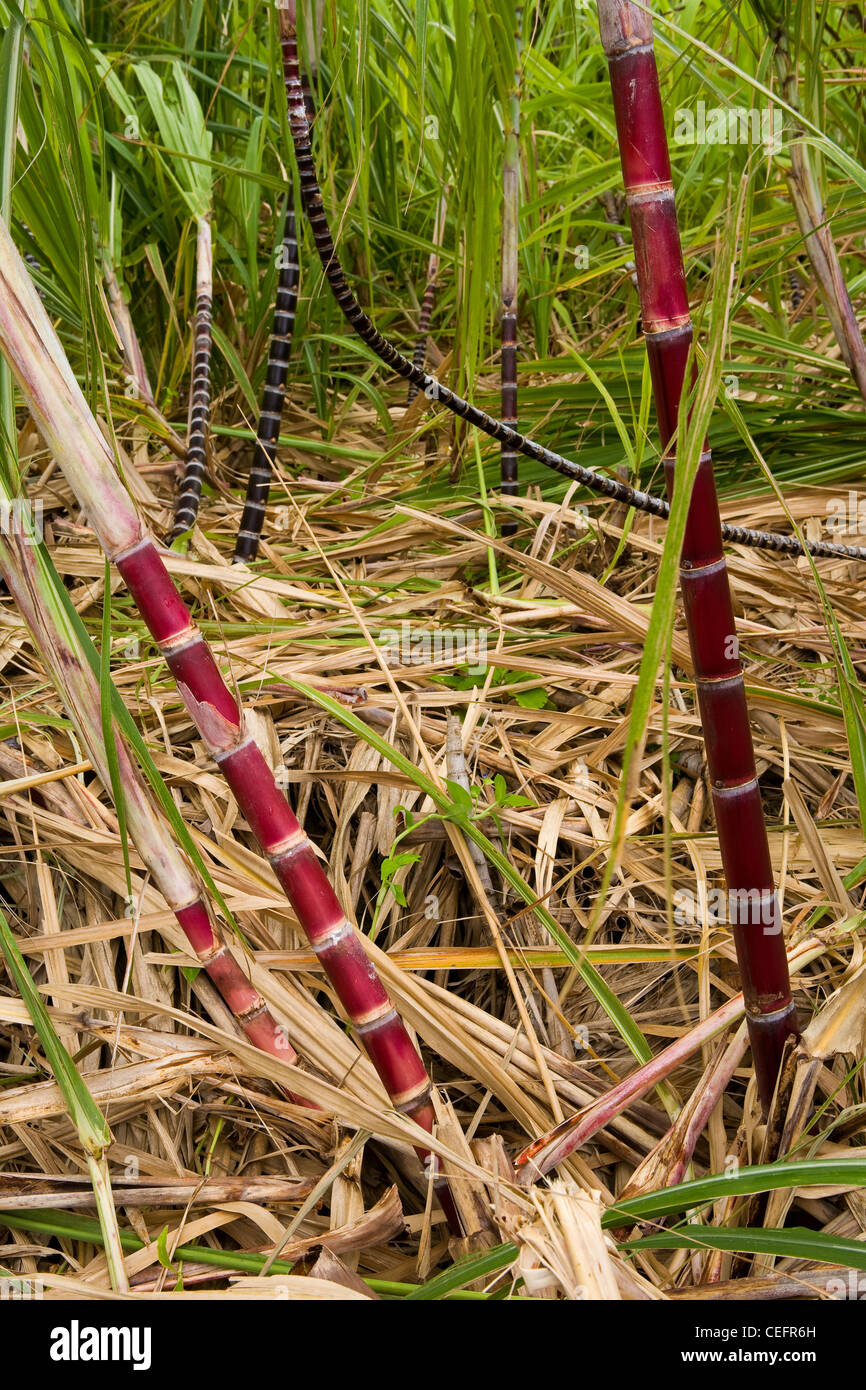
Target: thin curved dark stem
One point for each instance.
(435, 391)
(268, 429)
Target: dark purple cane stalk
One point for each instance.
(613, 488)
(754, 911)
(189, 496)
(268, 431)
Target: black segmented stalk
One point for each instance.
(510, 270)
(189, 496)
(273, 396)
(419, 357)
(613, 488)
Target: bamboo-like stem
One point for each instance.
(437, 393)
(189, 496)
(76, 684)
(627, 38)
(510, 271)
(58, 407)
(419, 357)
(273, 396)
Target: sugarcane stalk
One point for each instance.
(189, 497)
(419, 357)
(268, 429)
(627, 38)
(58, 408)
(510, 273)
(32, 589)
(435, 391)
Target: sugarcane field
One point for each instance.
(432, 620)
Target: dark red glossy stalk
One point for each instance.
(268, 431)
(627, 37)
(219, 720)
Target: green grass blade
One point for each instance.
(765, 1177)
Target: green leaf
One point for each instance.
(792, 1242)
(459, 795)
(532, 699)
(162, 1250)
(90, 1125)
(71, 1226)
(844, 1170)
(465, 1272)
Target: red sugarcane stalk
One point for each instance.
(268, 431)
(510, 276)
(189, 496)
(75, 682)
(613, 488)
(58, 407)
(627, 37)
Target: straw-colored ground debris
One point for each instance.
(385, 609)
